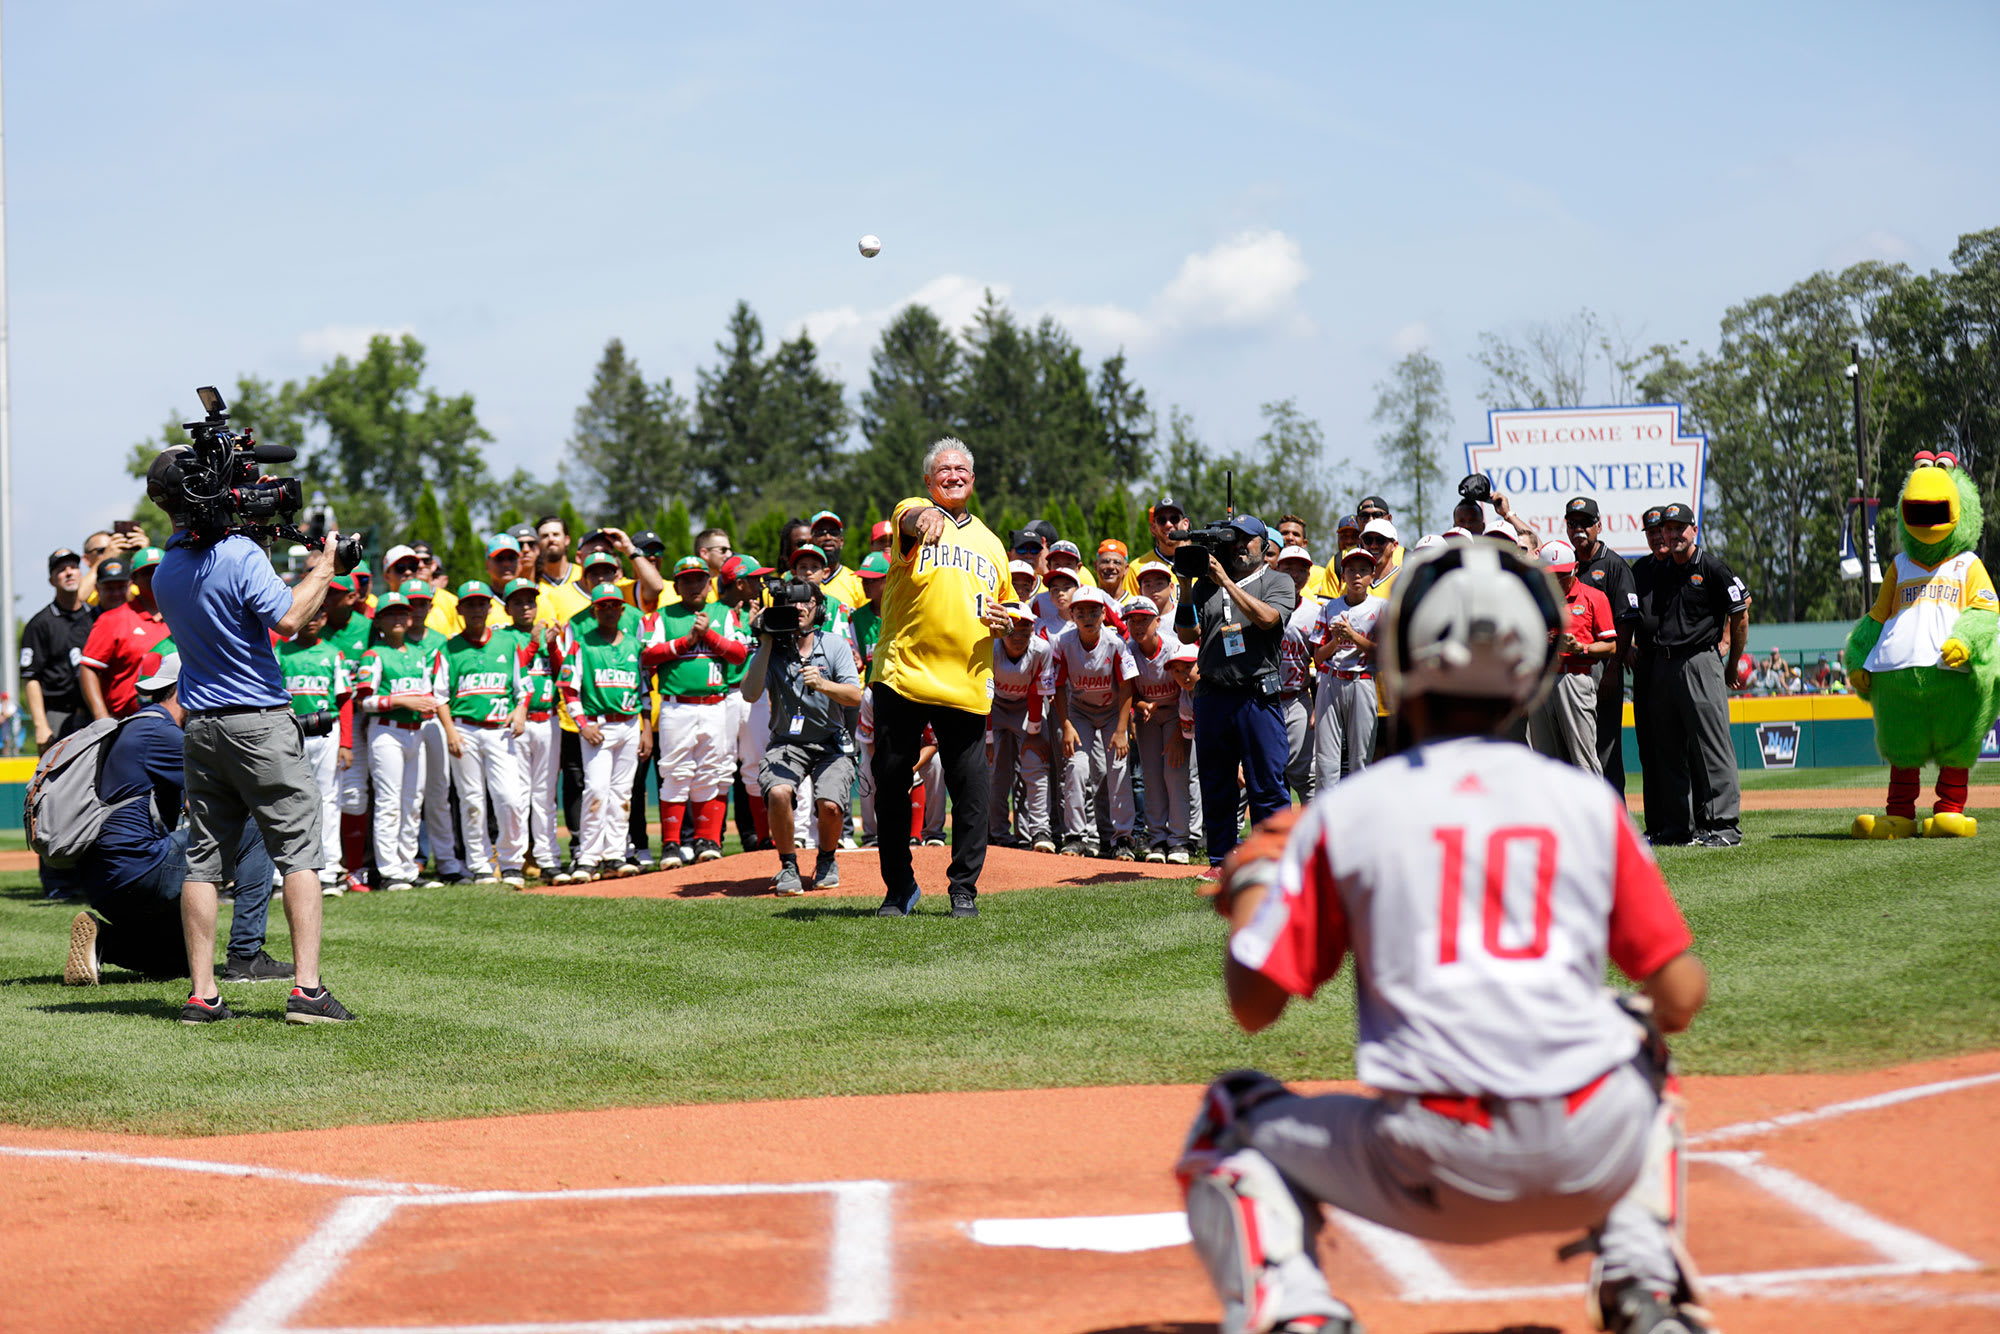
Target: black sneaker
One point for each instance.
(1672, 839)
(199, 1011)
(900, 905)
(1123, 851)
(258, 967)
(707, 850)
(964, 903)
(1720, 838)
(321, 1009)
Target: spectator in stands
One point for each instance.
(127, 627)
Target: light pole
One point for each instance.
(1864, 534)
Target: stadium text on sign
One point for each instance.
(1628, 459)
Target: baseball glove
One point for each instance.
(1254, 862)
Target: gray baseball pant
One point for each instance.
(1344, 735)
(1169, 790)
(1536, 1168)
(1096, 782)
(1564, 727)
(1299, 736)
(1690, 708)
(1014, 759)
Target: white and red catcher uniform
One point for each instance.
(1344, 733)
(1095, 777)
(1018, 716)
(1295, 688)
(1168, 785)
(1479, 887)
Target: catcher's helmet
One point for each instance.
(1471, 618)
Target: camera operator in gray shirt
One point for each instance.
(813, 685)
(1238, 608)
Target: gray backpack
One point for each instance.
(64, 813)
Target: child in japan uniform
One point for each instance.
(1016, 739)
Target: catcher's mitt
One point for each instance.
(1255, 860)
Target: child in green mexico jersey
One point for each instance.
(603, 689)
(394, 688)
(537, 648)
(695, 659)
(316, 675)
(478, 679)
(437, 823)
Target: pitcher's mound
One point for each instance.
(750, 874)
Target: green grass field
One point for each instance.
(1865, 778)
(1826, 953)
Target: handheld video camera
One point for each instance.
(223, 489)
(1218, 539)
(796, 605)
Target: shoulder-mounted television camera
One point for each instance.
(218, 487)
(796, 605)
(1220, 539)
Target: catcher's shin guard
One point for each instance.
(1257, 1245)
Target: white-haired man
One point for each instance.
(942, 608)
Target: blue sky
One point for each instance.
(1256, 201)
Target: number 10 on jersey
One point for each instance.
(1493, 901)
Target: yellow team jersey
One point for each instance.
(844, 587)
(935, 647)
(1918, 608)
(444, 617)
(1130, 583)
(555, 602)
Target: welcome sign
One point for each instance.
(1628, 459)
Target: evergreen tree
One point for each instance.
(1414, 413)
(911, 401)
(630, 447)
(760, 540)
(802, 419)
(720, 515)
(507, 517)
(1112, 518)
(1068, 458)
(727, 398)
(1128, 422)
(998, 392)
(858, 542)
(1076, 527)
(572, 523)
(426, 519)
(678, 533)
(466, 557)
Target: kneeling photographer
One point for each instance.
(243, 747)
(1238, 606)
(813, 685)
(136, 868)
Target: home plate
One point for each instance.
(1116, 1234)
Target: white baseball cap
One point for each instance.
(396, 553)
(1139, 605)
(1295, 553)
(1146, 565)
(1021, 567)
(1378, 527)
(166, 674)
(1086, 595)
(1559, 556)
(1500, 528)
(1456, 531)
(1429, 540)
(1186, 653)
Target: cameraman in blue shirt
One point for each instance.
(243, 748)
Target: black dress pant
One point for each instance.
(961, 743)
(570, 763)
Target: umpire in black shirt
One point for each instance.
(1606, 571)
(1691, 593)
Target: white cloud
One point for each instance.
(347, 340)
(1248, 283)
(1412, 337)
(1250, 280)
(1880, 245)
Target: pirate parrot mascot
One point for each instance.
(1925, 654)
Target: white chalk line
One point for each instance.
(1746, 1129)
(859, 1266)
(251, 1170)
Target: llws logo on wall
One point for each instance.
(1779, 744)
(1989, 749)
(1627, 458)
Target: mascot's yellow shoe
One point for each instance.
(1883, 827)
(1951, 824)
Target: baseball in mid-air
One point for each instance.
(871, 246)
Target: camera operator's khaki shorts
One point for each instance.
(249, 766)
(831, 768)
